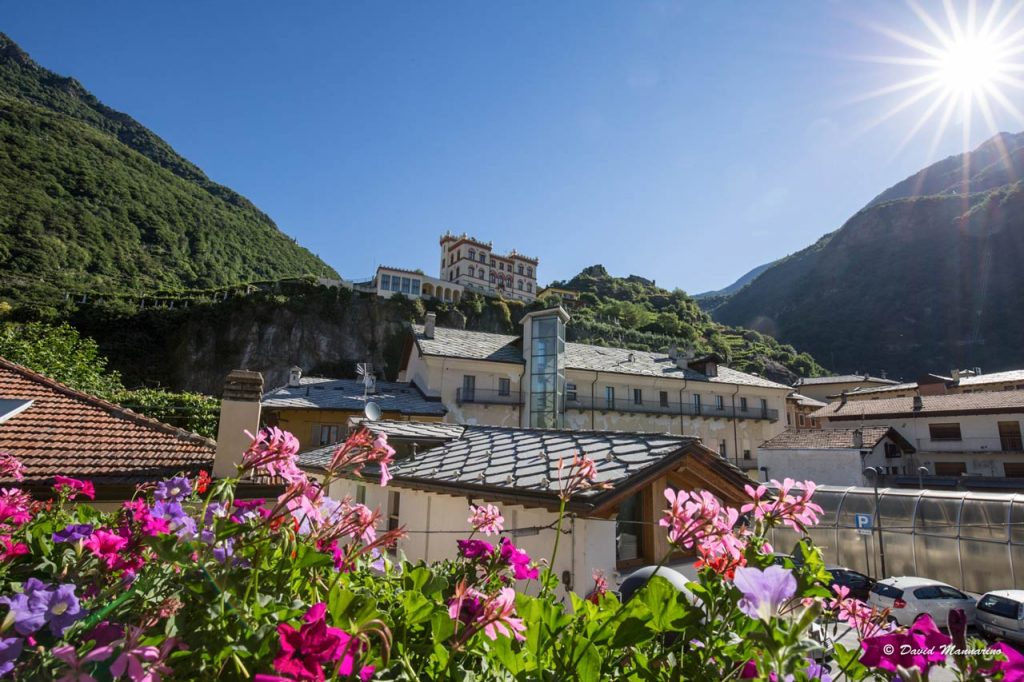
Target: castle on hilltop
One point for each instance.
(474, 265)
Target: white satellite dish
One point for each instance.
(372, 411)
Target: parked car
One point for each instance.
(907, 597)
(860, 585)
(1001, 615)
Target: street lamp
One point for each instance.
(921, 471)
(875, 475)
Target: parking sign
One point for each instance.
(864, 523)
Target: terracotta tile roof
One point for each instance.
(996, 402)
(994, 377)
(462, 343)
(831, 439)
(71, 433)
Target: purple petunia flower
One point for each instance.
(29, 607)
(764, 591)
(73, 533)
(62, 608)
(173, 490)
(10, 650)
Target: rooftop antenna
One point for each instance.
(365, 370)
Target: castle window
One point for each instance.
(529, 271)
(472, 254)
(483, 257)
(520, 269)
(529, 287)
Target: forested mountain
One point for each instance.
(92, 201)
(926, 277)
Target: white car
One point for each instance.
(1001, 615)
(908, 597)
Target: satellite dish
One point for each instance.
(372, 411)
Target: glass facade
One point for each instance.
(547, 371)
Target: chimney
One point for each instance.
(239, 412)
(955, 374)
(428, 325)
(842, 398)
(673, 351)
(858, 439)
(883, 374)
(295, 377)
(918, 403)
(977, 371)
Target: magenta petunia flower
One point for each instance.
(1013, 667)
(518, 560)
(923, 641)
(106, 546)
(474, 549)
(305, 651)
(72, 487)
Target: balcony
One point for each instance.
(992, 444)
(669, 408)
(480, 396)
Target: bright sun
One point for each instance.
(963, 62)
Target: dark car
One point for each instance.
(860, 585)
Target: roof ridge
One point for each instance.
(575, 431)
(113, 409)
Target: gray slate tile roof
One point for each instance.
(427, 432)
(347, 394)
(873, 390)
(826, 439)
(842, 379)
(806, 401)
(461, 343)
(527, 459)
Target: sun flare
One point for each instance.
(963, 63)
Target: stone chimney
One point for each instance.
(239, 412)
(428, 325)
(842, 398)
(295, 377)
(918, 403)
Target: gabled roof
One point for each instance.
(461, 343)
(71, 433)
(842, 379)
(427, 434)
(805, 401)
(520, 465)
(874, 390)
(836, 439)
(950, 404)
(347, 394)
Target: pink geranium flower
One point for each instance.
(10, 549)
(923, 641)
(487, 519)
(11, 467)
(498, 616)
(72, 487)
(305, 651)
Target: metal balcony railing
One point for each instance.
(991, 444)
(669, 407)
(481, 396)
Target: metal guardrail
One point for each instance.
(481, 396)
(673, 408)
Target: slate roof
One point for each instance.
(71, 433)
(461, 343)
(522, 463)
(806, 401)
(842, 379)
(872, 390)
(347, 394)
(833, 439)
(993, 378)
(424, 432)
(952, 404)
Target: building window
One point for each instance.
(385, 282)
(472, 254)
(529, 287)
(504, 387)
(396, 283)
(746, 454)
(529, 272)
(723, 448)
(609, 397)
(950, 468)
(663, 398)
(944, 431)
(570, 392)
(501, 266)
(743, 404)
(520, 269)
(329, 434)
(492, 278)
(696, 403)
(801, 420)
(492, 262)
(1013, 469)
(483, 257)
(1009, 437)
(629, 529)
(415, 287)
(892, 451)
(468, 388)
(638, 396)
(520, 283)
(360, 494)
(406, 285)
(719, 403)
(764, 408)
(394, 510)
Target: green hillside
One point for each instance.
(926, 278)
(90, 200)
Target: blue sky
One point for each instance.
(686, 142)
